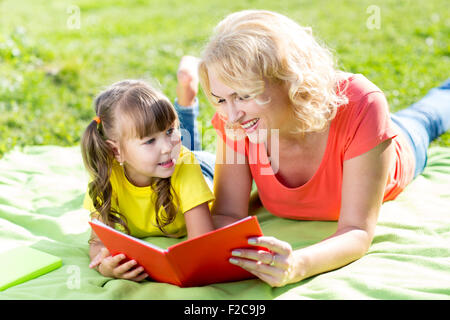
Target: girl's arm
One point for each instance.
(95, 246)
(198, 220)
(110, 266)
(363, 186)
(232, 186)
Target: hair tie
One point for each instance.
(97, 119)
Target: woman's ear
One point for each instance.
(116, 150)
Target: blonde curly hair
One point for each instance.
(253, 46)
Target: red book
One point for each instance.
(196, 262)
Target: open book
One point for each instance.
(196, 262)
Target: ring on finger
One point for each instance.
(272, 261)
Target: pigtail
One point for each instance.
(98, 159)
(165, 200)
(148, 111)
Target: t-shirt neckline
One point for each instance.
(324, 159)
(321, 166)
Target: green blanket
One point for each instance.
(41, 193)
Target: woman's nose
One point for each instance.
(233, 113)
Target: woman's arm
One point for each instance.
(364, 182)
(232, 186)
(363, 186)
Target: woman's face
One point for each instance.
(254, 118)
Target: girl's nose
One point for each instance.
(166, 146)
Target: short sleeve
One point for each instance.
(234, 138)
(87, 202)
(369, 126)
(190, 185)
(89, 205)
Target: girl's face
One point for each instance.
(249, 117)
(153, 156)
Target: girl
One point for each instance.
(144, 182)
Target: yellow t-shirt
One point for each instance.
(137, 204)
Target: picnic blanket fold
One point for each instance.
(41, 194)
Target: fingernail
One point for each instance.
(233, 261)
(236, 253)
(252, 241)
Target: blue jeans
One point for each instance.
(190, 139)
(424, 121)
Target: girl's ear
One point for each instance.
(116, 150)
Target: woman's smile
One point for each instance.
(251, 125)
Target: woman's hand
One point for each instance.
(110, 266)
(277, 267)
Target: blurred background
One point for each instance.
(56, 55)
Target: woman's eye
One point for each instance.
(221, 101)
(244, 98)
(170, 131)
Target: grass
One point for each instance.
(50, 72)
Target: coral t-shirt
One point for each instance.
(359, 126)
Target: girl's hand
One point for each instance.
(276, 267)
(110, 266)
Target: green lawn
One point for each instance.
(50, 71)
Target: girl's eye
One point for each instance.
(174, 133)
(150, 141)
(221, 101)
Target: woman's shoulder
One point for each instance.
(356, 86)
(366, 102)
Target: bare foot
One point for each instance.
(187, 75)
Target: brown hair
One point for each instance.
(149, 111)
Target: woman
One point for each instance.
(319, 143)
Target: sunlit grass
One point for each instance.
(50, 72)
